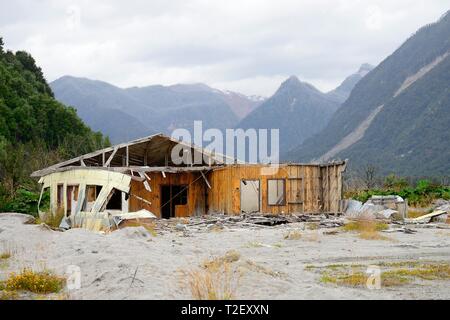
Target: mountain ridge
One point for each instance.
(423, 62)
(299, 110)
(158, 108)
(150, 109)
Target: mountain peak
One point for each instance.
(292, 80)
(365, 68)
(342, 92)
(297, 110)
(290, 83)
(294, 83)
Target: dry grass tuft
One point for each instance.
(9, 295)
(351, 279)
(7, 250)
(5, 255)
(373, 235)
(218, 284)
(312, 225)
(417, 212)
(393, 274)
(365, 224)
(52, 220)
(217, 279)
(37, 282)
(216, 263)
(293, 235)
(150, 226)
(367, 229)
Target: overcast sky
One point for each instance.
(246, 46)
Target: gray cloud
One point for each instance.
(246, 45)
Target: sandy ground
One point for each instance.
(108, 262)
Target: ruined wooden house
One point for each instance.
(139, 176)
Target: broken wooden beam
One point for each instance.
(108, 162)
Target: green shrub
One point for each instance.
(421, 195)
(25, 201)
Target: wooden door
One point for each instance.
(295, 195)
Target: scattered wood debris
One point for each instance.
(218, 222)
(428, 217)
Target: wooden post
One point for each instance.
(65, 198)
(303, 190)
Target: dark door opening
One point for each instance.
(115, 200)
(171, 196)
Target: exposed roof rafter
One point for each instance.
(146, 152)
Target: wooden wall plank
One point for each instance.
(320, 188)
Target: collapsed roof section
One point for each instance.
(152, 153)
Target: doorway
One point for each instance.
(72, 199)
(172, 196)
(250, 196)
(295, 195)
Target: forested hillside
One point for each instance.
(35, 129)
(397, 116)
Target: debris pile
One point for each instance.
(216, 222)
(377, 207)
(435, 216)
(394, 209)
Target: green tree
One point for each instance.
(35, 129)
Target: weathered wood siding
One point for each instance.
(196, 193)
(309, 188)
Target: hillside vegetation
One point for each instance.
(409, 132)
(419, 194)
(35, 130)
